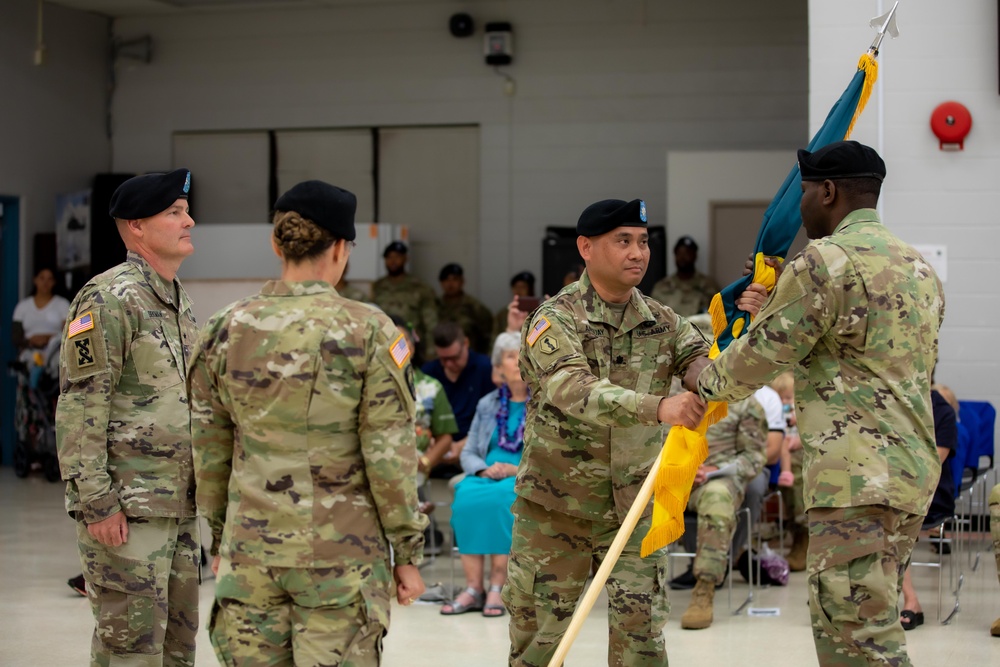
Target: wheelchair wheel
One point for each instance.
(22, 462)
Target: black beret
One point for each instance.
(841, 159)
(523, 277)
(145, 196)
(452, 269)
(395, 246)
(685, 242)
(609, 214)
(328, 206)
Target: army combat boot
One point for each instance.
(995, 630)
(699, 612)
(800, 544)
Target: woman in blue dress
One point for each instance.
(481, 516)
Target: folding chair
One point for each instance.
(691, 523)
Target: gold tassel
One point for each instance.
(870, 67)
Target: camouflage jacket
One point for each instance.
(123, 425)
(303, 433)
(739, 438)
(412, 300)
(475, 319)
(855, 315)
(592, 432)
(685, 297)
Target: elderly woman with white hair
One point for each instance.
(481, 516)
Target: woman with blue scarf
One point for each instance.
(481, 516)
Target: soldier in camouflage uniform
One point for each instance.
(737, 441)
(403, 294)
(350, 291)
(599, 359)
(124, 436)
(855, 316)
(305, 455)
(469, 312)
(995, 530)
(686, 292)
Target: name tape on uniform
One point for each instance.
(540, 327)
(80, 324)
(400, 351)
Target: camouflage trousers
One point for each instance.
(551, 558)
(144, 593)
(995, 523)
(794, 496)
(307, 617)
(716, 502)
(856, 560)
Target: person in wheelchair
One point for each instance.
(35, 328)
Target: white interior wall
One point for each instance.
(695, 179)
(603, 89)
(52, 117)
(945, 51)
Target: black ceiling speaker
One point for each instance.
(461, 25)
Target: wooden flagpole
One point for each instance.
(603, 572)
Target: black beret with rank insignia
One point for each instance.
(145, 196)
(602, 217)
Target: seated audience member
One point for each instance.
(792, 494)
(403, 294)
(38, 320)
(466, 376)
(686, 292)
(736, 447)
(995, 531)
(522, 284)
(942, 504)
(481, 516)
(468, 311)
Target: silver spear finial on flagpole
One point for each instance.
(885, 23)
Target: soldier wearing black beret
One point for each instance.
(687, 291)
(311, 395)
(123, 367)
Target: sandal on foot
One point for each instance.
(494, 610)
(911, 619)
(453, 608)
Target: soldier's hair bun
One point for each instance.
(298, 238)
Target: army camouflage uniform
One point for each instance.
(415, 302)
(856, 316)
(305, 458)
(474, 318)
(596, 378)
(123, 431)
(685, 297)
(741, 439)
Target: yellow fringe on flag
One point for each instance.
(686, 449)
(870, 66)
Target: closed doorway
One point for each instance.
(732, 234)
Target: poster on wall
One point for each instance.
(73, 230)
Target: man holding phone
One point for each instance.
(599, 358)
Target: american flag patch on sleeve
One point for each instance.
(80, 324)
(540, 326)
(400, 351)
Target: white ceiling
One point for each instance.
(122, 8)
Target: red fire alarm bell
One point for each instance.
(951, 122)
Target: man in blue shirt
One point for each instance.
(467, 376)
